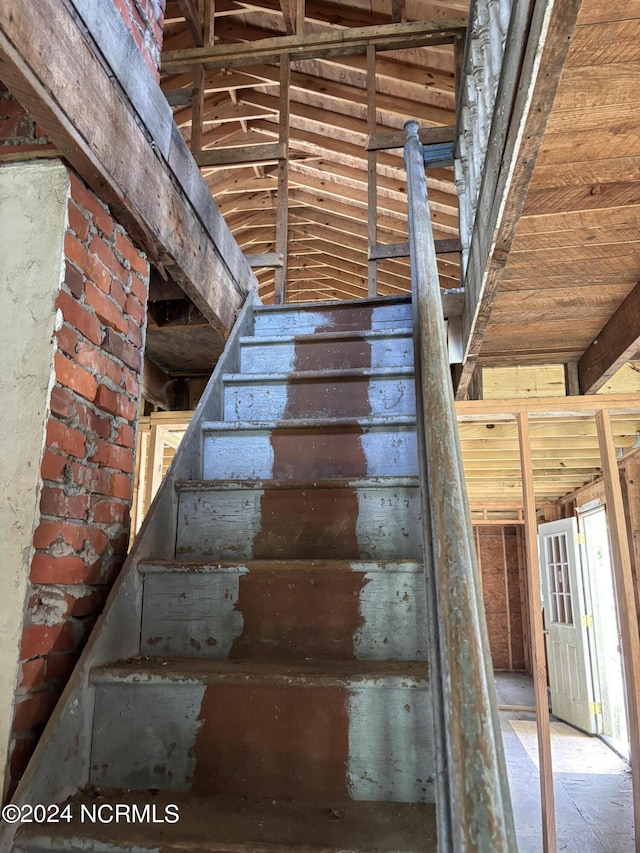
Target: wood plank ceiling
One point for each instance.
(327, 243)
(576, 252)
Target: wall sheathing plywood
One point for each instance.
(500, 564)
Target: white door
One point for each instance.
(606, 654)
(567, 647)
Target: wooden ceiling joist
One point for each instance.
(351, 41)
(617, 343)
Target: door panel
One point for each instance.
(567, 650)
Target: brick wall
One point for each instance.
(145, 19)
(81, 537)
(20, 135)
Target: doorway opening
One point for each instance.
(582, 626)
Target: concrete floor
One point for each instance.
(592, 785)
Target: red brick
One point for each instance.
(74, 280)
(117, 292)
(78, 222)
(107, 256)
(134, 333)
(126, 436)
(61, 402)
(101, 455)
(135, 309)
(79, 317)
(91, 356)
(121, 458)
(60, 665)
(116, 403)
(120, 545)
(122, 349)
(139, 287)
(84, 198)
(52, 466)
(92, 478)
(106, 310)
(67, 340)
(62, 437)
(121, 486)
(89, 420)
(98, 273)
(90, 604)
(74, 534)
(54, 501)
(35, 711)
(75, 251)
(14, 122)
(42, 639)
(129, 252)
(107, 399)
(21, 753)
(32, 673)
(131, 382)
(75, 377)
(109, 512)
(58, 570)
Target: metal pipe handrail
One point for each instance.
(472, 793)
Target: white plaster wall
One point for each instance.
(32, 218)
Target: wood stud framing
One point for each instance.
(538, 663)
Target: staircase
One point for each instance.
(278, 696)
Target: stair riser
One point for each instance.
(326, 355)
(239, 614)
(344, 318)
(347, 398)
(295, 740)
(364, 522)
(248, 455)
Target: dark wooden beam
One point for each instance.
(63, 76)
(190, 12)
(401, 250)
(617, 343)
(347, 42)
(269, 152)
(266, 259)
(397, 138)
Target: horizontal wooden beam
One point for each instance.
(401, 250)
(266, 259)
(397, 138)
(547, 407)
(349, 41)
(617, 343)
(156, 192)
(244, 155)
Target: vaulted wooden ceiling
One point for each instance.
(329, 124)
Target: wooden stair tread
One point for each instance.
(369, 422)
(328, 336)
(374, 301)
(318, 375)
(240, 825)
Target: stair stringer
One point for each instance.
(60, 763)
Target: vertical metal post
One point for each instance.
(473, 804)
